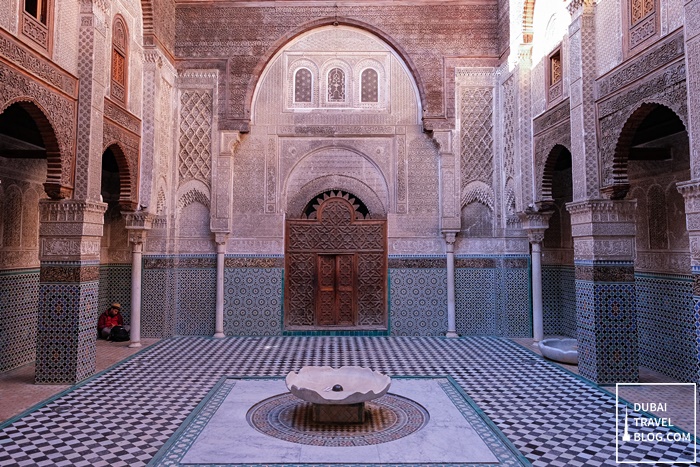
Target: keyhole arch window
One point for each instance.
(120, 60)
(336, 79)
(369, 85)
(303, 86)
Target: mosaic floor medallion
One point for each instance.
(388, 418)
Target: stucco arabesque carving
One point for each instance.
(644, 80)
(58, 108)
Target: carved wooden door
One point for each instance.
(335, 267)
(335, 305)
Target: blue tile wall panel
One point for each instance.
(19, 304)
(115, 286)
(418, 301)
(253, 301)
(195, 301)
(559, 300)
(157, 302)
(667, 325)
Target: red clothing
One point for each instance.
(107, 321)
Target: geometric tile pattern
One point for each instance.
(158, 302)
(66, 331)
(667, 341)
(493, 301)
(19, 302)
(418, 304)
(607, 331)
(253, 301)
(115, 286)
(291, 419)
(559, 300)
(195, 301)
(550, 415)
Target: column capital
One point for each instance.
(603, 230)
(70, 230)
(535, 223)
(229, 141)
(450, 236)
(220, 238)
(603, 211)
(138, 220)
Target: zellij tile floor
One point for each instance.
(125, 414)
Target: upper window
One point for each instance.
(120, 35)
(370, 86)
(302, 85)
(336, 85)
(554, 78)
(36, 22)
(642, 20)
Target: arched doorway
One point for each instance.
(26, 139)
(558, 273)
(335, 266)
(657, 150)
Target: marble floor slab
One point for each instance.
(456, 434)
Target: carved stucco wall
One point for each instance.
(608, 32)
(294, 151)
(20, 190)
(66, 34)
(662, 238)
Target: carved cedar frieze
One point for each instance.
(666, 51)
(424, 35)
(37, 65)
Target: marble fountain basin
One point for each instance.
(564, 350)
(319, 384)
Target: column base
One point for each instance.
(451, 334)
(134, 345)
(219, 335)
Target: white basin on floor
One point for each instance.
(560, 349)
(346, 385)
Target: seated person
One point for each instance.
(110, 318)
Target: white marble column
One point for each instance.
(137, 224)
(537, 316)
(451, 314)
(220, 259)
(535, 223)
(136, 239)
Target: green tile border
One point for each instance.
(173, 451)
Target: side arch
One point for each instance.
(617, 185)
(125, 176)
(56, 162)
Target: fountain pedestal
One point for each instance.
(337, 395)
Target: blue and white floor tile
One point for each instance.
(124, 415)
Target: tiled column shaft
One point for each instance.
(535, 224)
(604, 245)
(69, 252)
(691, 192)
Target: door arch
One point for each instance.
(335, 266)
